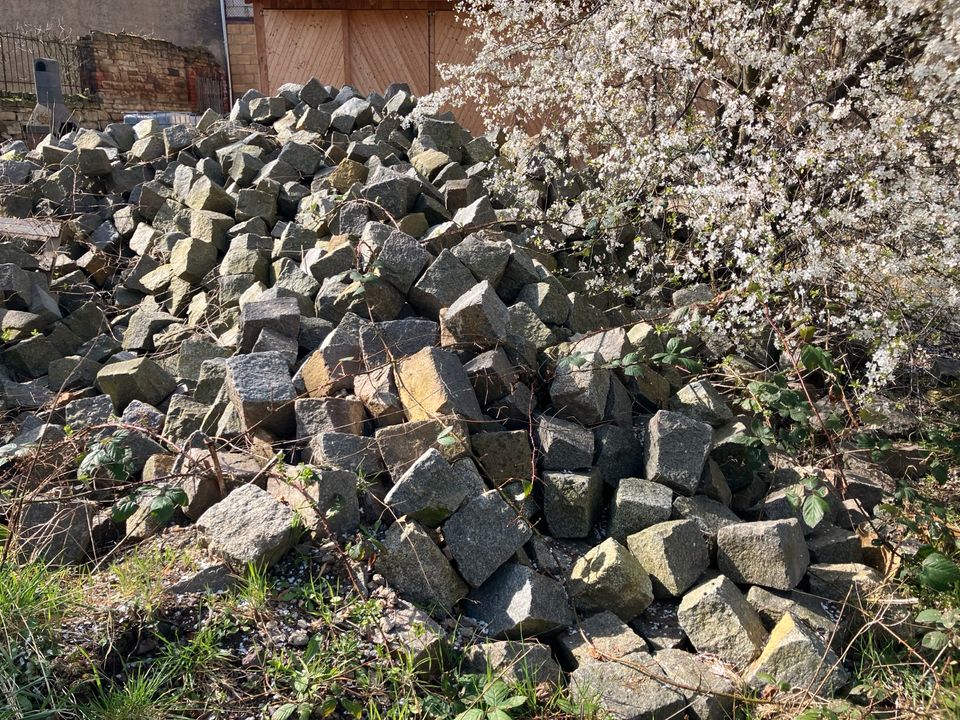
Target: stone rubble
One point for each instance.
(316, 277)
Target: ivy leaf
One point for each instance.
(938, 572)
(633, 370)
(814, 508)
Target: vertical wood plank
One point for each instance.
(431, 49)
(388, 46)
(259, 29)
(302, 44)
(347, 49)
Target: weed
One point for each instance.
(142, 695)
(140, 574)
(256, 588)
(677, 356)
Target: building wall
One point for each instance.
(135, 73)
(187, 23)
(127, 73)
(244, 67)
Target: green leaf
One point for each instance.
(284, 712)
(939, 572)
(935, 640)
(497, 714)
(766, 678)
(929, 616)
(512, 702)
(124, 508)
(496, 693)
(633, 370)
(161, 508)
(471, 714)
(631, 358)
(793, 499)
(814, 508)
(178, 496)
(815, 358)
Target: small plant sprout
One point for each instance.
(629, 363)
(810, 498)
(493, 701)
(677, 356)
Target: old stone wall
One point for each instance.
(128, 73)
(186, 23)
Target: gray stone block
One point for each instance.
(770, 553)
(674, 553)
(484, 534)
(571, 502)
(260, 388)
(638, 504)
(428, 492)
(564, 445)
(610, 578)
(248, 527)
(676, 451)
(517, 602)
(413, 565)
(718, 619)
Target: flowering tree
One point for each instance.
(801, 154)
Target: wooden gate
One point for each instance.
(369, 49)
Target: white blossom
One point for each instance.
(802, 154)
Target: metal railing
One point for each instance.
(238, 10)
(211, 92)
(18, 51)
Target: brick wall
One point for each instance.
(135, 73)
(126, 73)
(244, 67)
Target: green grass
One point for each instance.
(32, 601)
(140, 575)
(143, 695)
